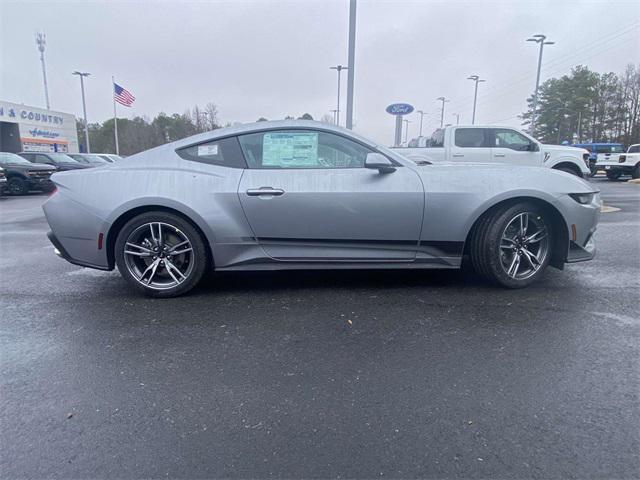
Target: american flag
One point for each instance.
(122, 95)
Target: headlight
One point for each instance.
(582, 198)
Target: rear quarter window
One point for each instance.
(225, 153)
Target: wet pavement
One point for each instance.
(321, 374)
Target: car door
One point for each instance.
(308, 197)
(511, 147)
(470, 144)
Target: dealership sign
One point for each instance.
(16, 114)
(399, 109)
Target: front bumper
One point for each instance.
(35, 183)
(579, 253)
(618, 167)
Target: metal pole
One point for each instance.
(443, 100)
(421, 113)
(115, 117)
(84, 107)
(406, 129)
(339, 69)
(579, 123)
(539, 38)
(398, 135)
(42, 42)
(475, 99)
(457, 118)
(352, 62)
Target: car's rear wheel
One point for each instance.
(17, 186)
(615, 175)
(636, 172)
(512, 246)
(161, 254)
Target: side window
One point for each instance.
(301, 149)
(470, 138)
(225, 152)
(512, 140)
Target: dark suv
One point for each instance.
(61, 161)
(23, 175)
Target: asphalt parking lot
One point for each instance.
(321, 374)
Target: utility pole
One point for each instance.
(339, 69)
(477, 80)
(84, 106)
(352, 62)
(443, 100)
(41, 41)
(422, 114)
(539, 39)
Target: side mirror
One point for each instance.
(379, 162)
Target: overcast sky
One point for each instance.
(271, 58)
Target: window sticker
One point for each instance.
(207, 150)
(291, 149)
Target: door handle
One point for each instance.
(253, 192)
(458, 155)
(499, 155)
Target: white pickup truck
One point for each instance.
(625, 164)
(493, 144)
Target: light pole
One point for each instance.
(41, 41)
(84, 106)
(457, 115)
(334, 115)
(443, 100)
(339, 69)
(422, 114)
(477, 80)
(352, 62)
(406, 129)
(540, 39)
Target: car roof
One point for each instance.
(254, 127)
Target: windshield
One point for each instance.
(12, 159)
(61, 158)
(94, 158)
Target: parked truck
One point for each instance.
(494, 144)
(625, 164)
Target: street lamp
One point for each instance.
(457, 115)
(422, 114)
(339, 69)
(41, 41)
(334, 115)
(541, 40)
(477, 80)
(84, 106)
(443, 100)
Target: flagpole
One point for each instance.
(115, 118)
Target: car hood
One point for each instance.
(564, 148)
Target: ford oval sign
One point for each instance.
(399, 109)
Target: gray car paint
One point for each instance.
(417, 216)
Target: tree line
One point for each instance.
(587, 106)
(140, 133)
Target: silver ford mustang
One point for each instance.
(307, 195)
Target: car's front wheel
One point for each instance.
(512, 246)
(17, 186)
(161, 254)
(615, 175)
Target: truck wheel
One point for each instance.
(17, 186)
(512, 246)
(613, 175)
(636, 172)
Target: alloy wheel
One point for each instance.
(524, 245)
(159, 255)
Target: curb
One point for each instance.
(635, 181)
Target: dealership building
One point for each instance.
(32, 129)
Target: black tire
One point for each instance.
(17, 186)
(489, 259)
(614, 175)
(572, 171)
(636, 172)
(196, 261)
